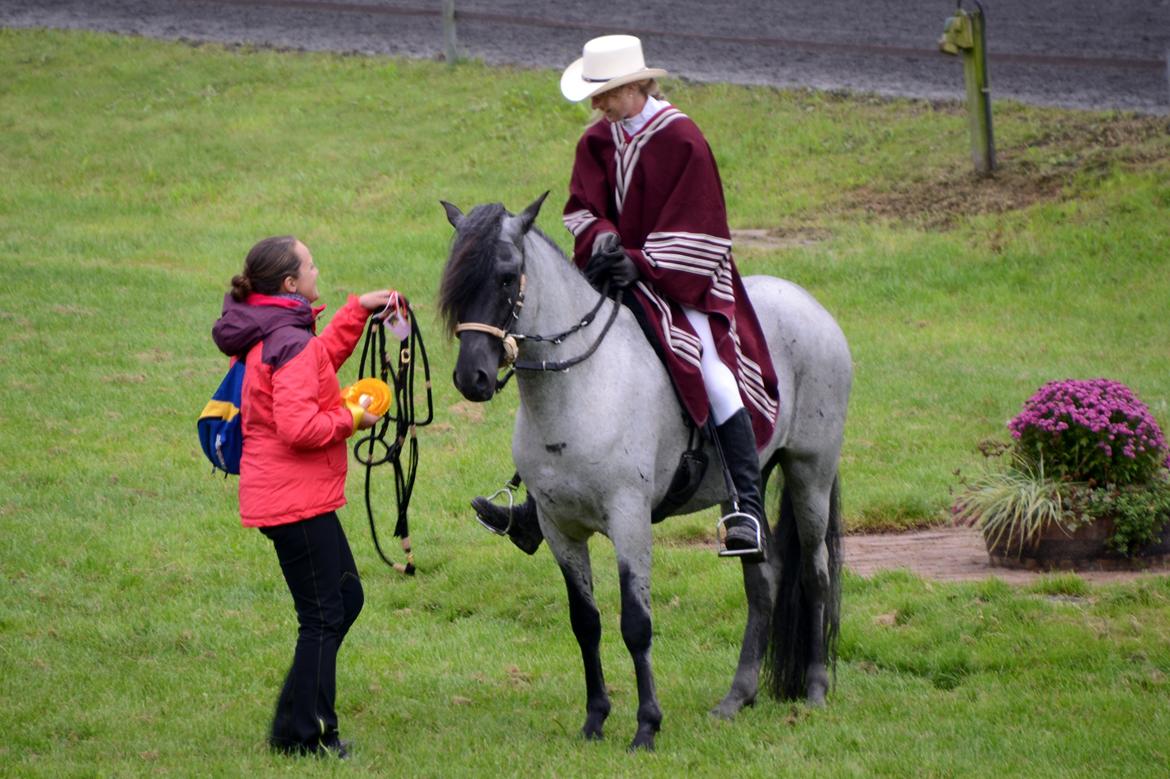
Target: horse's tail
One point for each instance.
(790, 644)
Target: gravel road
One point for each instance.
(1072, 53)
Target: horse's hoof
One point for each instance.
(730, 706)
(816, 696)
(725, 712)
(817, 688)
(592, 730)
(644, 739)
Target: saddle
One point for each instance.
(692, 466)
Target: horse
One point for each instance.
(597, 447)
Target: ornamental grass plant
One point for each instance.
(1082, 451)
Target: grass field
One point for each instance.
(144, 632)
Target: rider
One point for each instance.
(647, 213)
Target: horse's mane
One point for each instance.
(473, 252)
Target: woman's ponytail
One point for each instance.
(266, 267)
(241, 288)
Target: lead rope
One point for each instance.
(411, 351)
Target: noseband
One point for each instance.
(509, 340)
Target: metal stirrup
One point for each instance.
(721, 534)
(735, 513)
(508, 489)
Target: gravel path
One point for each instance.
(1073, 53)
(950, 554)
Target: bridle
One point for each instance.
(412, 352)
(511, 340)
(508, 339)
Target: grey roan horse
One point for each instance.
(597, 447)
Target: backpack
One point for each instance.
(220, 430)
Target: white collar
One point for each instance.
(635, 123)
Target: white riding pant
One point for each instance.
(719, 381)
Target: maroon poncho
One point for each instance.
(660, 192)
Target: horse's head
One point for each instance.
(482, 291)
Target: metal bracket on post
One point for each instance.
(965, 34)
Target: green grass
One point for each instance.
(144, 632)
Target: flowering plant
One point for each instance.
(1092, 430)
(1082, 450)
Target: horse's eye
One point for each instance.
(507, 280)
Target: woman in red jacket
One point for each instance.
(293, 467)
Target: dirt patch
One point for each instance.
(777, 238)
(1041, 168)
(951, 554)
(472, 412)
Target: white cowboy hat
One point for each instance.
(607, 62)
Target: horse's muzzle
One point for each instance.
(478, 385)
(475, 368)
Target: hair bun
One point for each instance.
(241, 287)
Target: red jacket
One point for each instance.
(295, 425)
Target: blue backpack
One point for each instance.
(220, 432)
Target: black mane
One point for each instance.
(473, 253)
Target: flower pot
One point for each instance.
(1082, 550)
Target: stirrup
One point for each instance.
(508, 490)
(721, 535)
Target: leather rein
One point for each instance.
(512, 340)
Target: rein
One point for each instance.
(411, 351)
(512, 340)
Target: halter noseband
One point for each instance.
(509, 340)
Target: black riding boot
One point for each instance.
(738, 445)
(520, 525)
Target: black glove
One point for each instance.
(610, 261)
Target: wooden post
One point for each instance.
(965, 34)
(979, 96)
(450, 52)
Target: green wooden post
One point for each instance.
(979, 96)
(966, 34)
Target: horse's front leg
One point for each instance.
(759, 584)
(573, 558)
(630, 531)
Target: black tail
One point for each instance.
(792, 628)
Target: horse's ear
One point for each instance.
(528, 215)
(454, 215)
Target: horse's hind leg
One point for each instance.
(573, 557)
(631, 540)
(811, 484)
(759, 584)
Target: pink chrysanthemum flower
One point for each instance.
(1091, 430)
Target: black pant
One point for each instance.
(327, 593)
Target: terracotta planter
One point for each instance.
(1082, 550)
